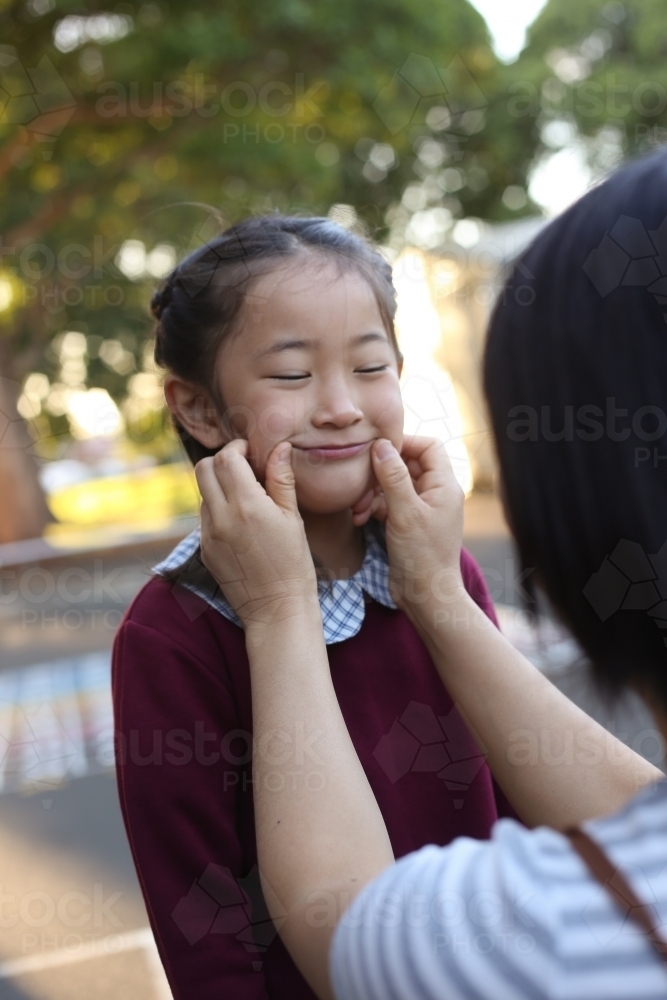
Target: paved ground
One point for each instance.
(74, 926)
(73, 922)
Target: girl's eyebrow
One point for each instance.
(286, 345)
(301, 345)
(365, 338)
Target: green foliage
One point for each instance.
(602, 66)
(198, 114)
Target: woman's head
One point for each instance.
(282, 329)
(575, 376)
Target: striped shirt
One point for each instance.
(517, 917)
(341, 601)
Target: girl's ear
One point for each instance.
(399, 359)
(195, 411)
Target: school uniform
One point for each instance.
(183, 710)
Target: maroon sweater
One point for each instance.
(181, 689)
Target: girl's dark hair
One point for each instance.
(575, 375)
(200, 304)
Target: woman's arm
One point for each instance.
(320, 834)
(321, 840)
(556, 765)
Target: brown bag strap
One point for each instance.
(609, 876)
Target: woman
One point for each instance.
(576, 378)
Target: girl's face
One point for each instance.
(312, 364)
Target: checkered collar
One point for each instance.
(341, 601)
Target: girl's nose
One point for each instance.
(336, 407)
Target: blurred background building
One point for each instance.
(448, 131)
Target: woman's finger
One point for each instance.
(393, 476)
(380, 510)
(428, 462)
(421, 449)
(360, 519)
(414, 468)
(363, 504)
(239, 445)
(233, 472)
(362, 510)
(370, 505)
(279, 477)
(209, 485)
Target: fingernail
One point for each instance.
(384, 450)
(284, 454)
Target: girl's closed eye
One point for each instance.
(296, 377)
(371, 370)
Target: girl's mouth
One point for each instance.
(334, 451)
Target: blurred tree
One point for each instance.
(130, 133)
(595, 72)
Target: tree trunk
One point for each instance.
(23, 510)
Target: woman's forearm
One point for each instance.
(320, 833)
(556, 765)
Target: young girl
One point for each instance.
(279, 330)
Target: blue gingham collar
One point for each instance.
(341, 601)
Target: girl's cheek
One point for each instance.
(258, 453)
(277, 420)
(391, 418)
(242, 421)
(272, 426)
(397, 438)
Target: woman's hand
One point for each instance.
(373, 503)
(422, 505)
(253, 541)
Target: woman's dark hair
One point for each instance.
(575, 374)
(200, 304)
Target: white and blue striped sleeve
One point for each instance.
(463, 922)
(518, 916)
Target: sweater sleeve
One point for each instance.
(178, 738)
(475, 584)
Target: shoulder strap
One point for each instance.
(609, 876)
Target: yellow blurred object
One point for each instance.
(149, 497)
(12, 291)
